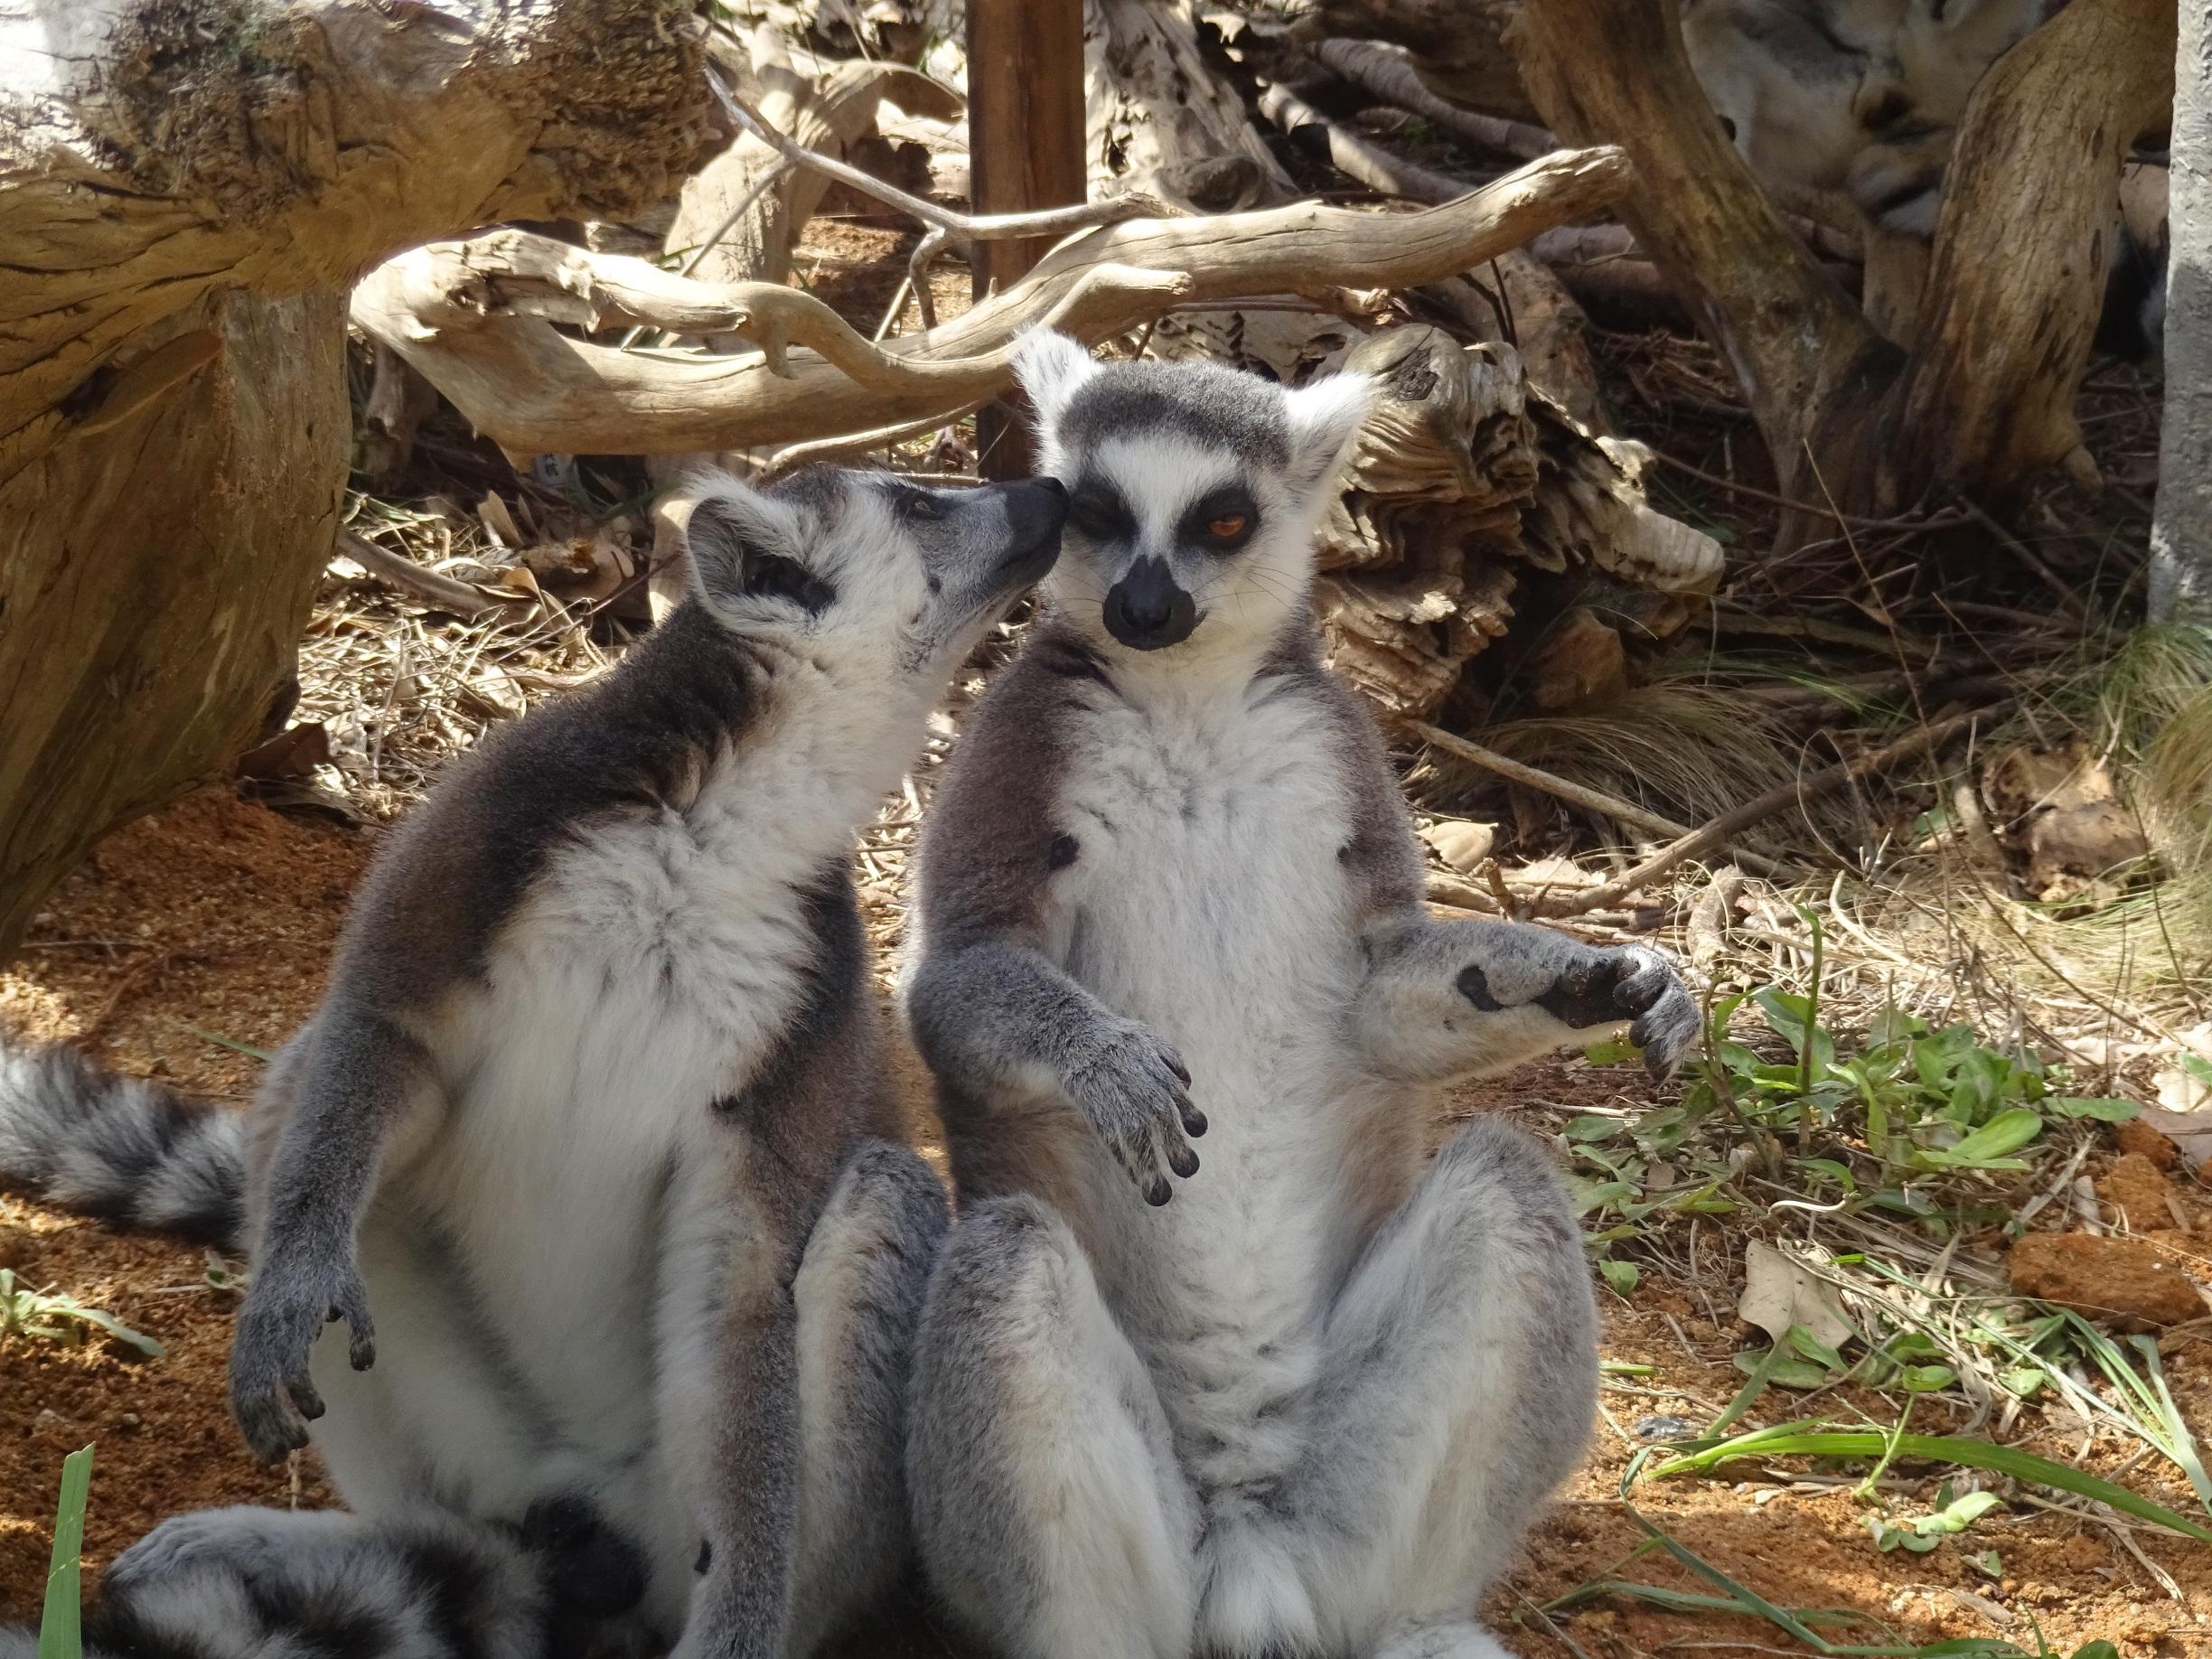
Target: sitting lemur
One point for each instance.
(576, 1210)
(1167, 889)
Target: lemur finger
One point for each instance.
(1641, 988)
(1175, 1064)
(1182, 1160)
(305, 1400)
(1159, 1192)
(1194, 1120)
(353, 1309)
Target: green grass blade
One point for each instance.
(221, 1041)
(2183, 1447)
(1754, 1386)
(59, 1637)
(1686, 1601)
(1936, 1448)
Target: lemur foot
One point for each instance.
(272, 1394)
(1134, 1089)
(1603, 986)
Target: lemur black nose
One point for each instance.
(1147, 610)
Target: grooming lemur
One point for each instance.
(584, 1158)
(1168, 888)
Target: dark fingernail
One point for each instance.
(1194, 1120)
(1159, 1192)
(1184, 1162)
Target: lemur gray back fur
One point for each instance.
(586, 1156)
(1289, 1388)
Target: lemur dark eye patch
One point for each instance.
(1220, 522)
(1098, 510)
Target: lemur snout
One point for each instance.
(1035, 508)
(1147, 610)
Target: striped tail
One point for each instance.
(130, 1152)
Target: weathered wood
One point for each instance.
(1160, 120)
(1025, 152)
(1983, 399)
(535, 390)
(1456, 46)
(1025, 122)
(1465, 480)
(1799, 348)
(185, 192)
(2023, 251)
(2181, 537)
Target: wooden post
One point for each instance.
(1025, 150)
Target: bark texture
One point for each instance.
(1983, 399)
(2181, 537)
(187, 188)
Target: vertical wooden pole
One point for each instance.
(1025, 152)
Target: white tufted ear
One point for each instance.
(732, 533)
(1049, 368)
(1325, 418)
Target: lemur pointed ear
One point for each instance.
(1049, 368)
(1325, 419)
(733, 533)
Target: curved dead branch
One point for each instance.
(534, 390)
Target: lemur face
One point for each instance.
(866, 572)
(1192, 492)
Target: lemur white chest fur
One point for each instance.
(656, 960)
(1208, 900)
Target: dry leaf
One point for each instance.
(1779, 1292)
(1461, 844)
(499, 522)
(294, 753)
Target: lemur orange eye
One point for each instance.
(1227, 525)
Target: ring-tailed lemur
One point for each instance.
(587, 1146)
(1167, 887)
(1864, 98)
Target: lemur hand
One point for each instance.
(1133, 1089)
(271, 1392)
(1603, 986)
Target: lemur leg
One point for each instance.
(1446, 1001)
(1051, 1515)
(859, 1291)
(1459, 1383)
(782, 1395)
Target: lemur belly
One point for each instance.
(643, 979)
(1208, 900)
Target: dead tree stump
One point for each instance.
(187, 189)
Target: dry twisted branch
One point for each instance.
(471, 316)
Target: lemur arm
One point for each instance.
(1447, 1001)
(993, 1011)
(351, 1083)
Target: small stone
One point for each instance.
(1662, 1427)
(2123, 1279)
